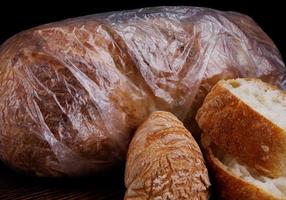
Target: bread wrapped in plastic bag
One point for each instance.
(73, 92)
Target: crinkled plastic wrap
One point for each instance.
(73, 92)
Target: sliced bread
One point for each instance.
(247, 119)
(233, 180)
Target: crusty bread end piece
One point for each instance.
(235, 181)
(247, 119)
(165, 162)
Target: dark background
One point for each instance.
(20, 15)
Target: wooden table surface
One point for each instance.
(15, 186)
(18, 187)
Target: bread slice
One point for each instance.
(165, 162)
(247, 119)
(235, 181)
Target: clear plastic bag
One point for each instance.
(73, 92)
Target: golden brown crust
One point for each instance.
(242, 132)
(165, 162)
(73, 92)
(59, 128)
(227, 185)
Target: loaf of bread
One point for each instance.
(73, 92)
(165, 162)
(236, 181)
(246, 118)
